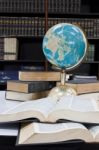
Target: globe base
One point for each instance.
(62, 90)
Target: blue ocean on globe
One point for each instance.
(64, 45)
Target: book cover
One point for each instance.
(28, 87)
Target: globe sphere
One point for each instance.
(65, 45)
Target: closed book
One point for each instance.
(11, 95)
(10, 48)
(8, 75)
(27, 87)
(83, 86)
(39, 76)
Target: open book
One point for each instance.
(31, 133)
(82, 108)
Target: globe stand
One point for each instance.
(62, 89)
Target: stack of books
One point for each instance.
(31, 85)
(53, 119)
(26, 90)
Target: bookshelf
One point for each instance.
(28, 21)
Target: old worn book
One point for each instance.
(83, 86)
(28, 86)
(39, 76)
(10, 48)
(11, 95)
(81, 108)
(36, 133)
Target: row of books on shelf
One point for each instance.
(35, 26)
(53, 119)
(38, 6)
(89, 26)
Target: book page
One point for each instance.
(95, 96)
(57, 127)
(76, 108)
(94, 131)
(78, 103)
(45, 133)
(43, 105)
(6, 104)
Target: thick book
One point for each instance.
(19, 96)
(83, 86)
(40, 133)
(81, 108)
(28, 87)
(39, 76)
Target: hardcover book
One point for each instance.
(27, 87)
(82, 108)
(40, 133)
(39, 76)
(19, 96)
(81, 87)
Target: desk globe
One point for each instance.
(64, 45)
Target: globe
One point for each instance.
(64, 45)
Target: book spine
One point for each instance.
(19, 26)
(90, 53)
(1, 48)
